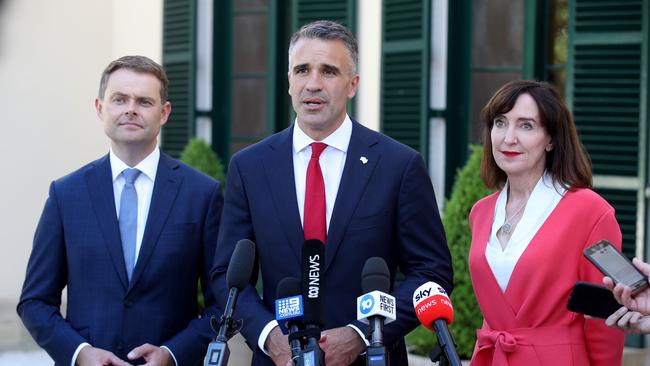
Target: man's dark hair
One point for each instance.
(140, 64)
(329, 31)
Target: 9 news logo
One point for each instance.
(367, 302)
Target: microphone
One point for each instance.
(237, 277)
(376, 307)
(289, 308)
(433, 309)
(313, 260)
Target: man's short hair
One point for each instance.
(329, 31)
(140, 64)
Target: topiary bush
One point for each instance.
(199, 155)
(468, 188)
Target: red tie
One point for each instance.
(314, 224)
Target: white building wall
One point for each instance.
(369, 38)
(51, 57)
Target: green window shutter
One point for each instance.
(404, 72)
(341, 11)
(179, 22)
(607, 91)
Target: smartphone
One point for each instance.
(615, 265)
(591, 299)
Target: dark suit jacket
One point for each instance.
(77, 244)
(383, 208)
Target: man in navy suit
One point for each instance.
(379, 201)
(135, 302)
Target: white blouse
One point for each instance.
(541, 203)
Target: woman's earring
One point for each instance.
(549, 147)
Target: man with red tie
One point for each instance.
(329, 178)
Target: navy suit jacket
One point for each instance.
(77, 244)
(384, 207)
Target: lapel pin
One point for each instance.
(363, 159)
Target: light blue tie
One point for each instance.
(129, 218)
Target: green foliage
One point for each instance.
(200, 156)
(468, 188)
(420, 341)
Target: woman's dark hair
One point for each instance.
(567, 162)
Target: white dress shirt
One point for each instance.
(144, 188)
(540, 205)
(332, 162)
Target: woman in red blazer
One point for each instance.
(528, 238)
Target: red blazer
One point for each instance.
(529, 323)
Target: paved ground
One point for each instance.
(35, 358)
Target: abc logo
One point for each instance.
(367, 302)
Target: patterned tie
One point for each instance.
(314, 224)
(128, 218)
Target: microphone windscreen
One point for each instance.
(313, 260)
(289, 305)
(431, 303)
(375, 275)
(287, 287)
(241, 264)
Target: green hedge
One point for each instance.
(200, 156)
(468, 188)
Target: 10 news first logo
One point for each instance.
(289, 308)
(376, 303)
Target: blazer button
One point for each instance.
(128, 303)
(120, 346)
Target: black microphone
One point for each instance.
(289, 308)
(313, 261)
(375, 307)
(237, 277)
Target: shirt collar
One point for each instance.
(148, 166)
(544, 192)
(339, 139)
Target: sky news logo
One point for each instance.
(288, 307)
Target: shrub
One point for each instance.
(468, 188)
(200, 156)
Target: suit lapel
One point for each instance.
(278, 166)
(99, 181)
(354, 180)
(164, 193)
(494, 299)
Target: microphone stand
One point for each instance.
(218, 352)
(440, 353)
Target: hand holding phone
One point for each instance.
(640, 302)
(615, 265)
